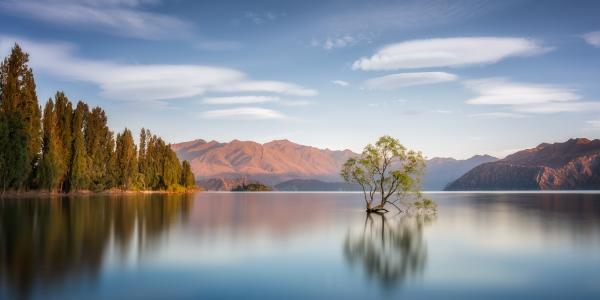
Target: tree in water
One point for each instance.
(386, 169)
(20, 107)
(51, 167)
(390, 250)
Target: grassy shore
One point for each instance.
(115, 192)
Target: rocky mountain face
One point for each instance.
(269, 163)
(574, 164)
(442, 171)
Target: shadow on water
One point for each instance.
(45, 242)
(390, 250)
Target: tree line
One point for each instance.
(70, 147)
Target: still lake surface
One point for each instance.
(299, 246)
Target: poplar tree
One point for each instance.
(80, 163)
(126, 160)
(51, 166)
(97, 140)
(187, 177)
(19, 105)
(64, 120)
(171, 169)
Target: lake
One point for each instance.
(299, 246)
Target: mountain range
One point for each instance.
(270, 163)
(574, 164)
(288, 166)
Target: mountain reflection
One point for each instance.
(43, 242)
(390, 250)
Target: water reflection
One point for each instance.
(46, 241)
(389, 249)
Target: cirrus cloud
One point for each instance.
(448, 52)
(145, 82)
(239, 100)
(118, 17)
(243, 113)
(394, 81)
(527, 97)
(592, 38)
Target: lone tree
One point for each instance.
(387, 172)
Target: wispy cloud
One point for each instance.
(239, 100)
(501, 91)
(595, 124)
(527, 97)
(592, 38)
(340, 82)
(118, 17)
(498, 115)
(448, 52)
(394, 81)
(145, 82)
(340, 41)
(262, 17)
(243, 113)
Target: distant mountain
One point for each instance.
(314, 185)
(269, 163)
(442, 171)
(574, 164)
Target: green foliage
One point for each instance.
(425, 204)
(252, 187)
(19, 104)
(99, 145)
(386, 169)
(126, 161)
(13, 152)
(51, 165)
(78, 150)
(187, 177)
(80, 163)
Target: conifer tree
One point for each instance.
(80, 173)
(13, 152)
(19, 104)
(51, 166)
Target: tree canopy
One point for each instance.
(71, 149)
(387, 172)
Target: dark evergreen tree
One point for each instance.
(13, 152)
(19, 104)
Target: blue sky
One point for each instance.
(449, 78)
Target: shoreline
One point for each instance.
(43, 194)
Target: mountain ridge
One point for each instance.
(570, 165)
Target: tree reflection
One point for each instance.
(390, 250)
(45, 241)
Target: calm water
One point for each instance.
(298, 246)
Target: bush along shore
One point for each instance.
(68, 148)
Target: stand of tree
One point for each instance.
(71, 148)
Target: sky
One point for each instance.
(448, 78)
